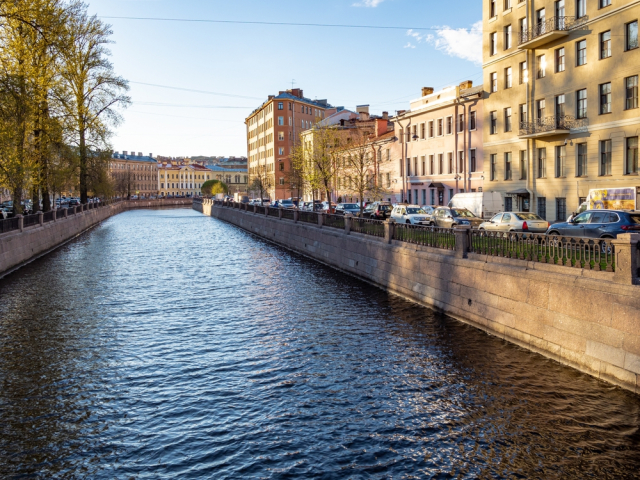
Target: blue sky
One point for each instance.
(348, 66)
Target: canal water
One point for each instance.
(167, 344)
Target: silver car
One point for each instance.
(515, 222)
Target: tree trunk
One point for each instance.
(83, 161)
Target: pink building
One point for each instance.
(440, 140)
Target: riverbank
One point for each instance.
(576, 316)
(28, 242)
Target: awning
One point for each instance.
(436, 185)
(521, 192)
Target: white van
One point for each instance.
(482, 204)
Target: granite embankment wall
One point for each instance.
(580, 318)
(20, 247)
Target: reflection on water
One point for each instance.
(166, 344)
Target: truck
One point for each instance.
(481, 204)
(619, 198)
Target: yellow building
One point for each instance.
(182, 178)
(134, 174)
(561, 101)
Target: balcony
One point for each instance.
(549, 30)
(551, 126)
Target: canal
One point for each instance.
(167, 344)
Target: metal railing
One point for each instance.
(427, 236)
(29, 220)
(273, 212)
(551, 25)
(554, 122)
(308, 217)
(367, 226)
(335, 221)
(9, 224)
(48, 216)
(288, 214)
(589, 253)
(260, 209)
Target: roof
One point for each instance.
(216, 168)
(195, 166)
(289, 96)
(133, 158)
(467, 92)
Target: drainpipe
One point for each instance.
(403, 167)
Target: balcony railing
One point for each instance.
(553, 24)
(553, 124)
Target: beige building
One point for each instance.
(561, 100)
(272, 131)
(134, 174)
(181, 178)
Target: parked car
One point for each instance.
(286, 203)
(412, 214)
(599, 224)
(378, 210)
(344, 208)
(515, 222)
(74, 202)
(429, 209)
(481, 204)
(448, 217)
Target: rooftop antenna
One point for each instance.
(293, 80)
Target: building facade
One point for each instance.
(237, 179)
(182, 178)
(441, 145)
(561, 101)
(272, 131)
(134, 174)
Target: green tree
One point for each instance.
(213, 187)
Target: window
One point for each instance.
(542, 207)
(542, 66)
(472, 120)
(423, 162)
(281, 181)
(280, 150)
(460, 165)
(560, 14)
(507, 166)
(561, 209)
(424, 196)
(560, 60)
(431, 166)
(631, 35)
(581, 8)
(280, 120)
(507, 37)
(581, 103)
(542, 163)
(493, 122)
(439, 127)
(507, 78)
(415, 165)
(494, 82)
(281, 136)
(603, 3)
(431, 129)
(450, 162)
(559, 104)
(388, 180)
(523, 164)
(524, 73)
(632, 155)
(493, 47)
(540, 21)
(631, 95)
(523, 29)
(508, 206)
(449, 125)
(605, 44)
(507, 4)
(422, 131)
(281, 167)
(461, 122)
(605, 98)
(540, 108)
(280, 106)
(507, 119)
(440, 163)
(408, 167)
(581, 170)
(492, 173)
(560, 156)
(523, 113)
(492, 9)
(605, 157)
(581, 52)
(472, 160)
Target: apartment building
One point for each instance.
(181, 178)
(561, 100)
(134, 174)
(441, 144)
(272, 131)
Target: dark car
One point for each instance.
(74, 202)
(449, 217)
(344, 208)
(599, 224)
(378, 210)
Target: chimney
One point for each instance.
(385, 115)
(139, 154)
(151, 155)
(296, 92)
(427, 91)
(466, 84)
(124, 152)
(363, 110)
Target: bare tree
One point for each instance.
(261, 182)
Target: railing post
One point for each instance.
(296, 215)
(461, 233)
(321, 219)
(347, 223)
(389, 226)
(280, 209)
(627, 258)
(55, 214)
(40, 218)
(255, 208)
(66, 212)
(20, 222)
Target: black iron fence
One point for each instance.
(308, 217)
(559, 23)
(367, 226)
(48, 217)
(273, 212)
(335, 221)
(9, 224)
(260, 209)
(589, 253)
(427, 236)
(288, 214)
(552, 123)
(29, 220)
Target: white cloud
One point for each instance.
(409, 45)
(368, 3)
(460, 42)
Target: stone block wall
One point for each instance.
(577, 317)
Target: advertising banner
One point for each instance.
(612, 198)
